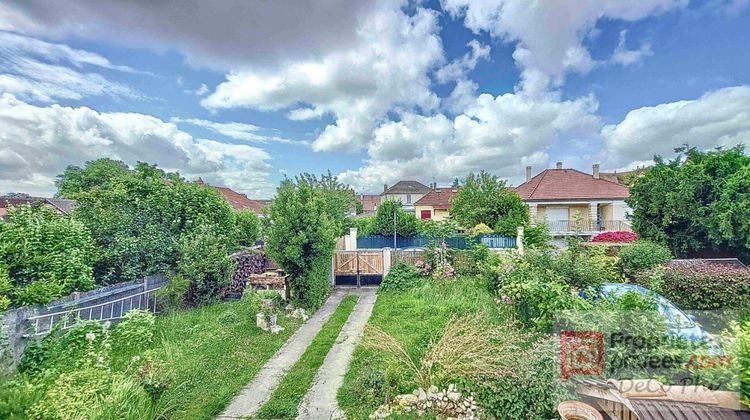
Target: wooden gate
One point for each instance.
(358, 268)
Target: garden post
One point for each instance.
(386, 261)
(519, 240)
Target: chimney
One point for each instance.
(596, 170)
(385, 187)
(558, 165)
(528, 173)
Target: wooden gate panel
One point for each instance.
(370, 262)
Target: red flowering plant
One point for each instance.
(619, 236)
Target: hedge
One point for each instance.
(696, 284)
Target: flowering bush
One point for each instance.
(437, 262)
(620, 236)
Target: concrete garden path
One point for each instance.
(259, 390)
(320, 400)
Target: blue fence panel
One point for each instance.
(420, 241)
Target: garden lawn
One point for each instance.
(214, 351)
(413, 317)
(286, 398)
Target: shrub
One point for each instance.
(43, 256)
(203, 260)
(401, 276)
(479, 229)
(587, 267)
(136, 331)
(620, 236)
(247, 227)
(533, 391)
(172, 295)
(62, 350)
(701, 285)
(643, 254)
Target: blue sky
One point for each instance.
(243, 93)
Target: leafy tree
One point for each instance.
(694, 201)
(437, 230)
(247, 227)
(484, 198)
(97, 173)
(301, 238)
(43, 256)
(406, 222)
(137, 217)
(339, 200)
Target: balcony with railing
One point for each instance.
(586, 227)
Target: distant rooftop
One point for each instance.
(407, 187)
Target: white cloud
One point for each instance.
(549, 35)
(458, 68)
(226, 34)
(718, 118)
(33, 79)
(37, 143)
(501, 134)
(44, 71)
(626, 57)
(200, 91)
(239, 131)
(386, 70)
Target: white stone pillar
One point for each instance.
(386, 261)
(519, 240)
(350, 240)
(592, 216)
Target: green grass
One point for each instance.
(413, 317)
(293, 387)
(214, 351)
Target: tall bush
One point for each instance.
(247, 227)
(406, 222)
(484, 198)
(136, 216)
(643, 254)
(43, 256)
(301, 239)
(204, 262)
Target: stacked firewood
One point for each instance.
(246, 263)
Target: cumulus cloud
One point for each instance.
(230, 33)
(458, 68)
(387, 69)
(549, 35)
(501, 134)
(38, 142)
(237, 130)
(718, 118)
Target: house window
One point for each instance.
(425, 214)
(408, 198)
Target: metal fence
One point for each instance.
(421, 241)
(107, 311)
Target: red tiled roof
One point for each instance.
(570, 184)
(239, 201)
(439, 198)
(369, 202)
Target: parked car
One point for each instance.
(678, 322)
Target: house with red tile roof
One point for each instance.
(238, 201)
(573, 202)
(436, 204)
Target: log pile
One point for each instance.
(247, 263)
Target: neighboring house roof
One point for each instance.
(62, 205)
(618, 177)
(438, 198)
(569, 184)
(407, 187)
(238, 201)
(369, 202)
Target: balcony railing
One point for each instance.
(587, 226)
